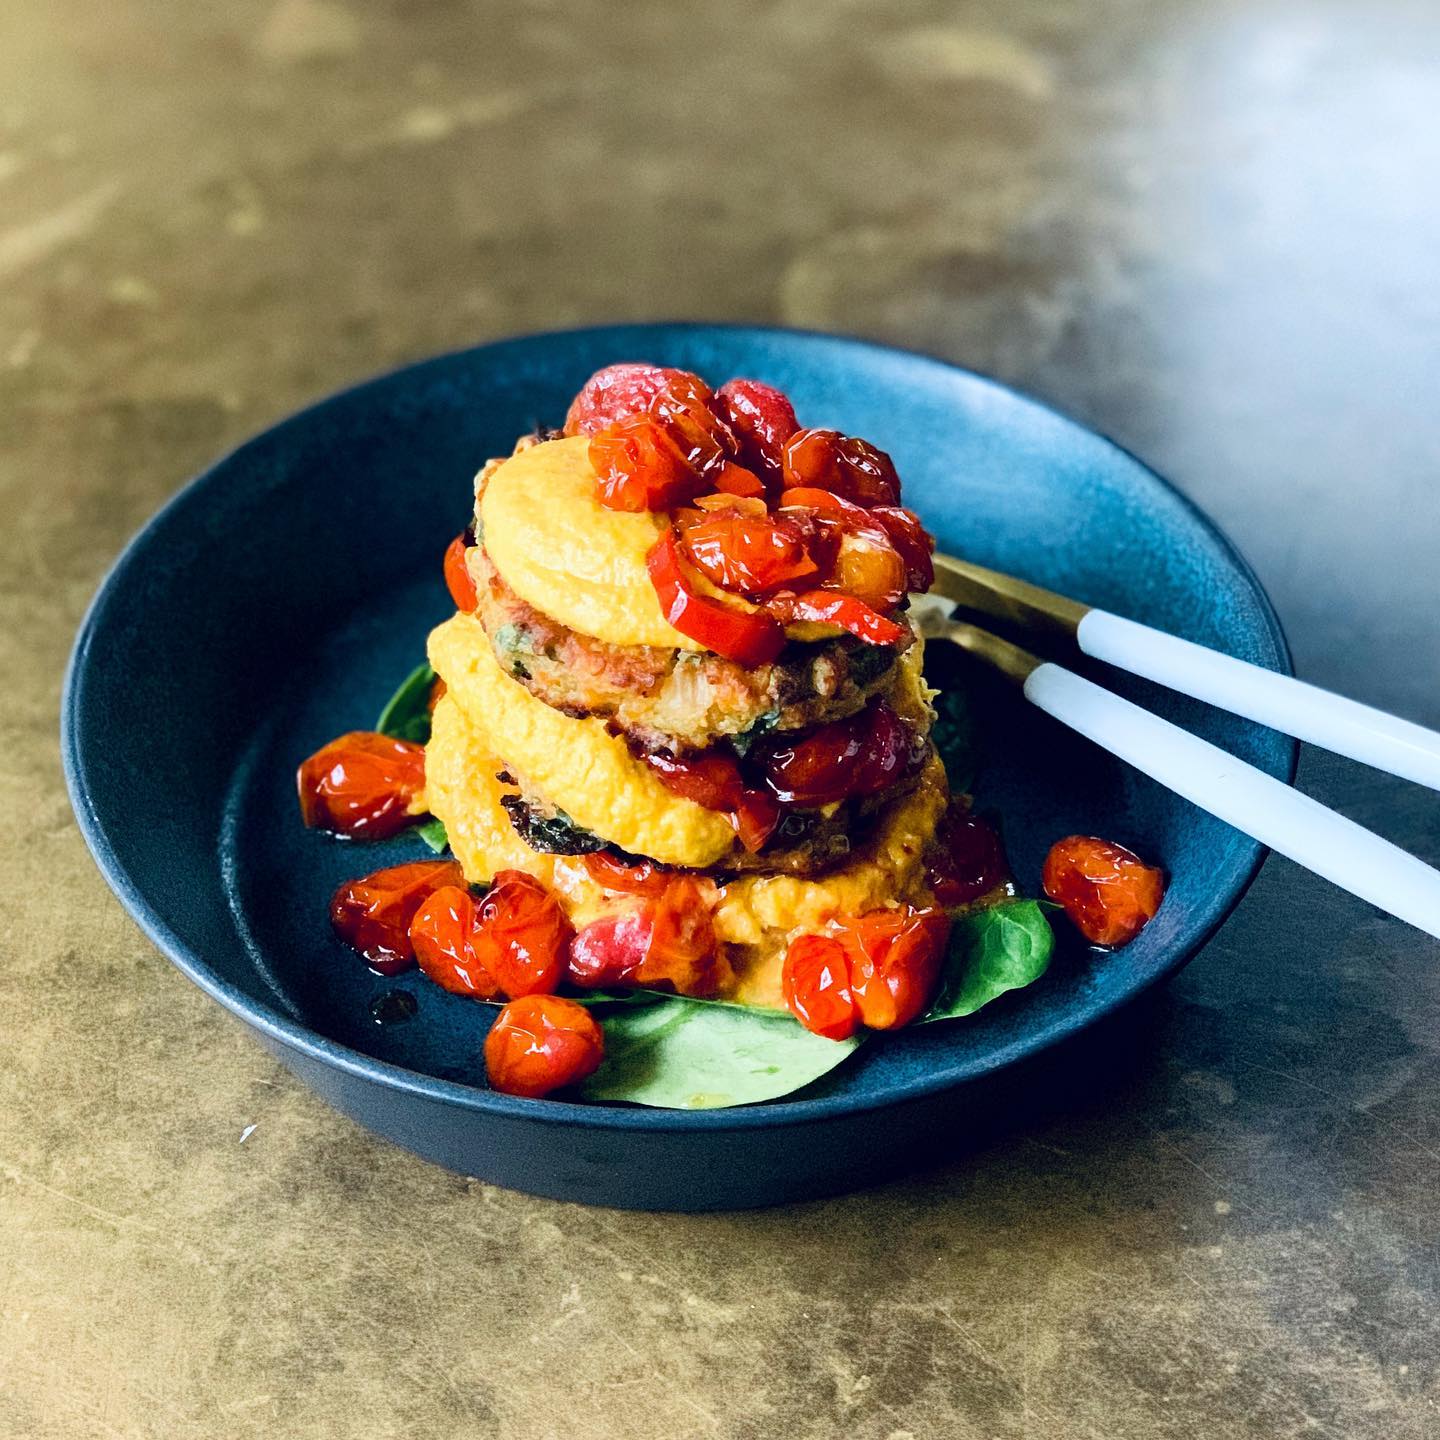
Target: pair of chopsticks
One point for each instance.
(1272, 812)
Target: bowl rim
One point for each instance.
(293, 1035)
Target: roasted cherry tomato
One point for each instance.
(914, 542)
(895, 958)
(851, 468)
(1109, 892)
(715, 781)
(815, 981)
(607, 952)
(749, 554)
(619, 391)
(361, 786)
(701, 436)
(541, 1043)
(644, 877)
(660, 442)
(755, 816)
(443, 935)
(901, 530)
(522, 935)
(750, 638)
(712, 779)
(373, 914)
(762, 419)
(829, 607)
(966, 859)
(860, 755)
(457, 577)
(638, 466)
(668, 943)
(682, 954)
(870, 569)
(511, 942)
(878, 970)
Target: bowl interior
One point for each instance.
(281, 597)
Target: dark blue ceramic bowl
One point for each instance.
(278, 599)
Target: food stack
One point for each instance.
(681, 695)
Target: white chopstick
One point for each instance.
(1280, 701)
(1289, 822)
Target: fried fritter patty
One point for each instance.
(678, 700)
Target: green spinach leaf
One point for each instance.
(407, 714)
(641, 996)
(686, 1055)
(1003, 948)
(619, 997)
(555, 834)
(762, 726)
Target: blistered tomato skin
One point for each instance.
(755, 817)
(733, 479)
(701, 436)
(372, 915)
(655, 441)
(443, 934)
(861, 755)
(967, 859)
(1109, 892)
(849, 467)
(666, 943)
(638, 466)
(682, 951)
(903, 528)
(715, 781)
(879, 970)
(619, 391)
(458, 580)
(749, 554)
(827, 502)
(607, 952)
(541, 1043)
(895, 959)
(644, 877)
(361, 786)
(513, 941)
(914, 542)
(762, 419)
(815, 982)
(522, 936)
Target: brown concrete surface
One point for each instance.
(1210, 229)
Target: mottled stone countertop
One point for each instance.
(1209, 229)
